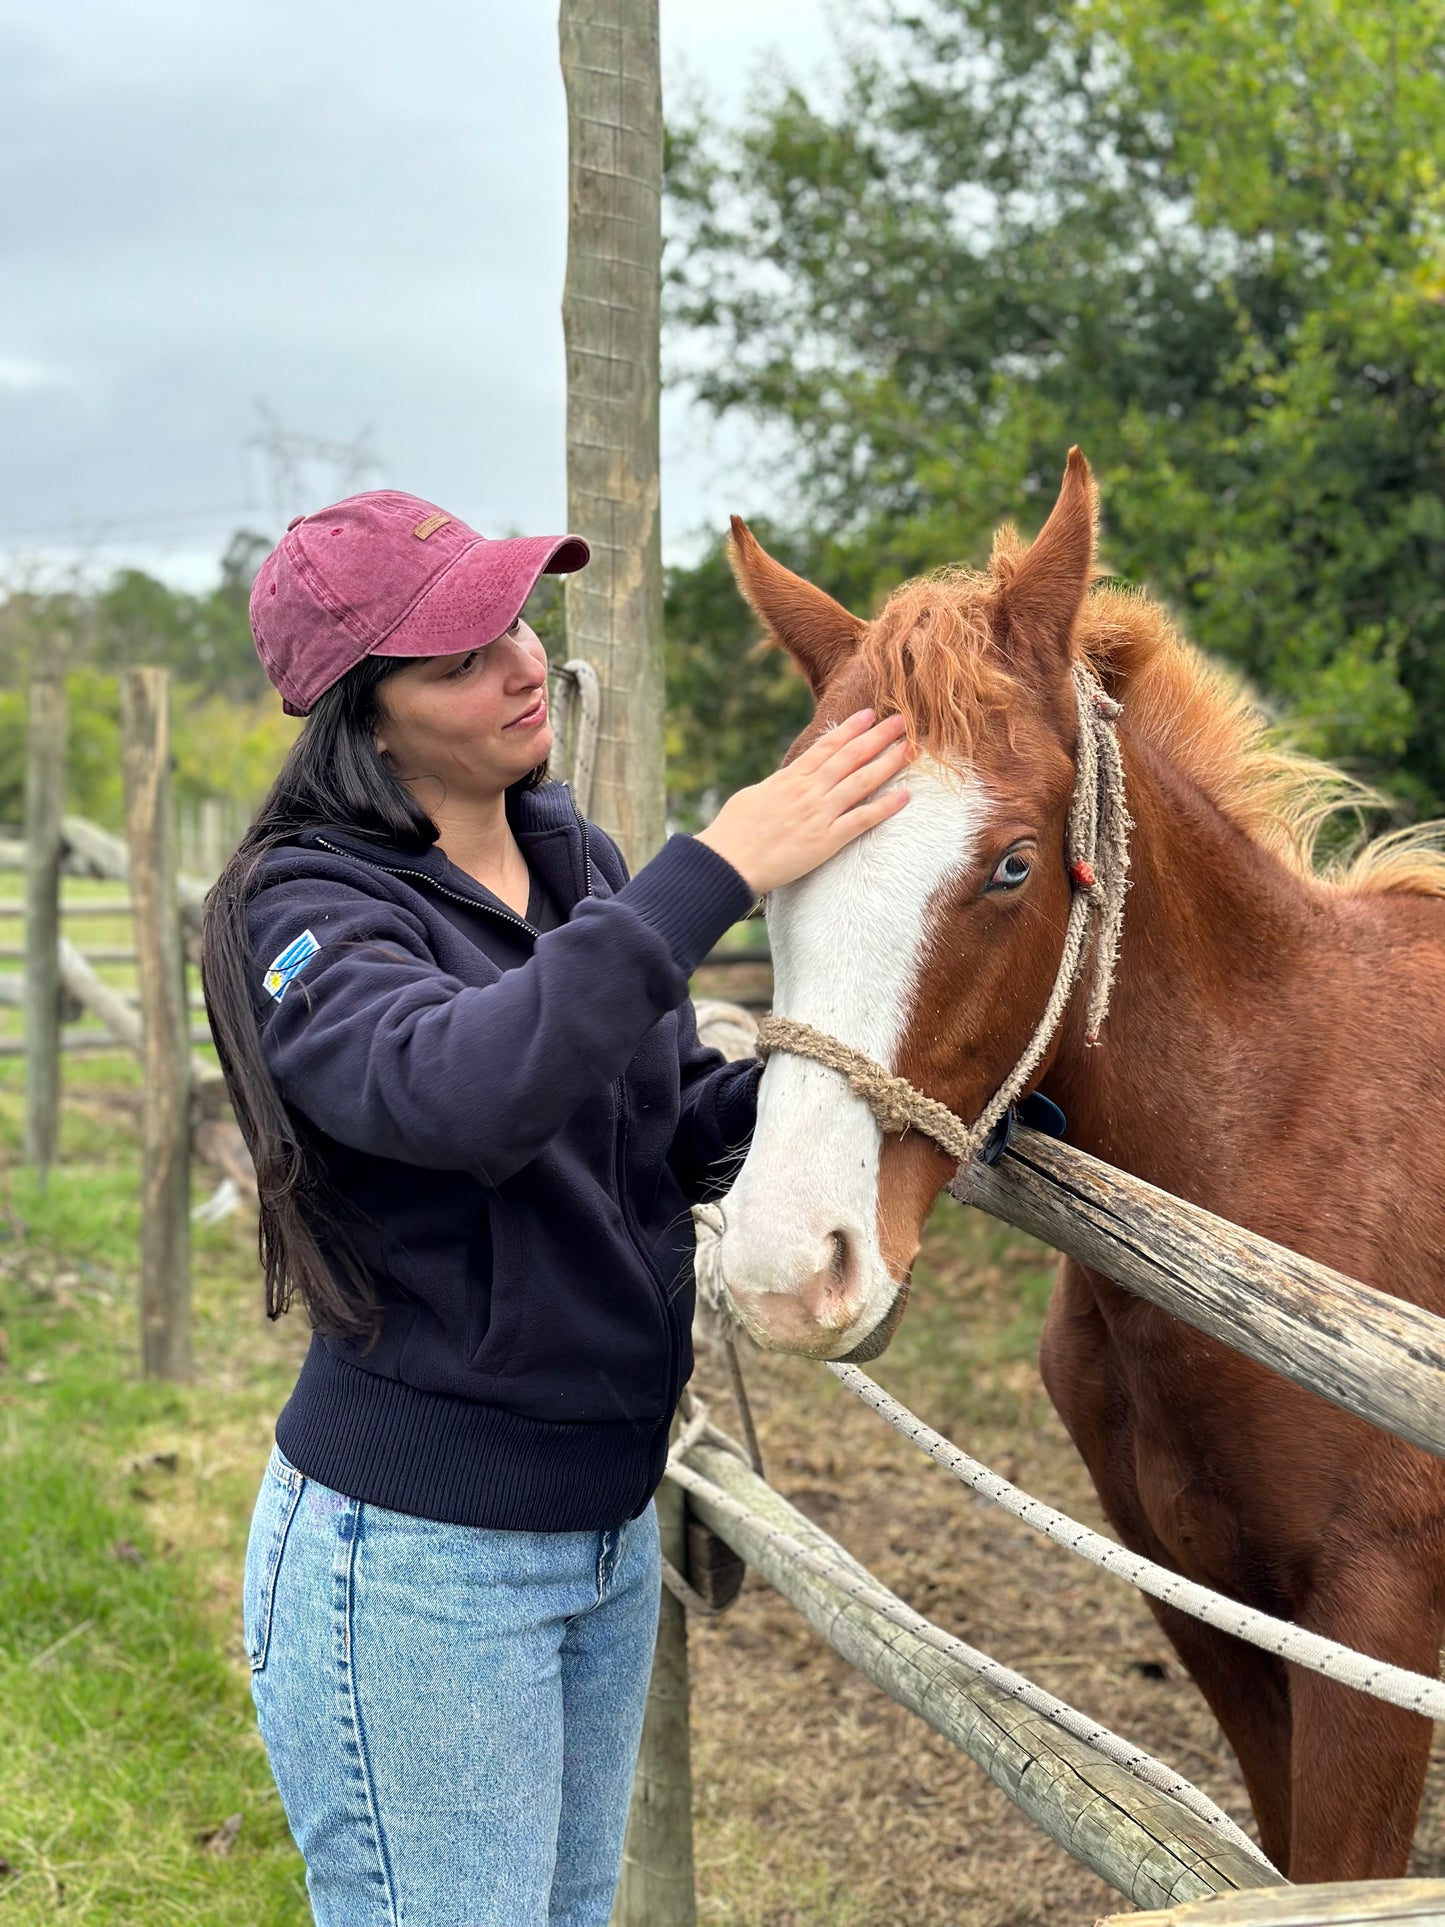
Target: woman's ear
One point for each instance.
(817, 632)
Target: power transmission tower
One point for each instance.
(303, 470)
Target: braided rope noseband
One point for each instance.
(1097, 842)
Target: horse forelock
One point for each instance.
(933, 655)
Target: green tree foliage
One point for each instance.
(1206, 242)
(229, 733)
(204, 639)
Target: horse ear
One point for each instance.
(1042, 587)
(817, 632)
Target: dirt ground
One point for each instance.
(818, 1799)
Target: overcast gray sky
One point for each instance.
(349, 211)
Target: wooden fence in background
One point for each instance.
(182, 1095)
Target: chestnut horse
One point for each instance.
(1272, 1053)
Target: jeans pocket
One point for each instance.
(275, 1508)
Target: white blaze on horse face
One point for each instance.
(800, 1250)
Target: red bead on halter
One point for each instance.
(1083, 875)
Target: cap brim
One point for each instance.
(481, 595)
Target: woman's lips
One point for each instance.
(535, 715)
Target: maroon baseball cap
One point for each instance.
(386, 574)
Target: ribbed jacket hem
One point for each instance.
(461, 1463)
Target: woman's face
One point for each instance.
(464, 727)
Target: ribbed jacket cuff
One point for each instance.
(690, 895)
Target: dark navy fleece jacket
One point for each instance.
(516, 1124)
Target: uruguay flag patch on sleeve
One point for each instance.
(291, 962)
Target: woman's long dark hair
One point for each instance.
(334, 777)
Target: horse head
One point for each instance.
(930, 943)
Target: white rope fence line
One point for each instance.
(1395, 1684)
(1143, 1766)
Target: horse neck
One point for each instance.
(1213, 927)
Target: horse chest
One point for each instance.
(1201, 1459)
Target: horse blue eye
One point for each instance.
(1011, 872)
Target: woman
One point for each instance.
(459, 1043)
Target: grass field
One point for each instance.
(127, 1744)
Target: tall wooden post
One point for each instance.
(44, 801)
(165, 1267)
(611, 311)
(657, 1888)
(610, 316)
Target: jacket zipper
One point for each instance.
(619, 1104)
(618, 1092)
(620, 1111)
(404, 870)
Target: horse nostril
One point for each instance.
(843, 1264)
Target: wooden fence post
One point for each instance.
(165, 1258)
(610, 316)
(44, 801)
(611, 306)
(657, 1887)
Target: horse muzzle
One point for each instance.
(846, 1307)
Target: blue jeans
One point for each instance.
(452, 1713)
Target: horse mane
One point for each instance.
(934, 657)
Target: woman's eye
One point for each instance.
(1013, 870)
(461, 668)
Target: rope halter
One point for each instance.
(1097, 851)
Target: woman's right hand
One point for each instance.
(776, 831)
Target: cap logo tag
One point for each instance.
(430, 526)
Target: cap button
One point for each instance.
(295, 519)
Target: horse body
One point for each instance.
(1287, 1083)
(1269, 1054)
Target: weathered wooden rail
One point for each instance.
(1361, 1349)
(85, 1038)
(106, 953)
(1142, 1841)
(92, 851)
(86, 907)
(1349, 1903)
